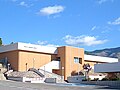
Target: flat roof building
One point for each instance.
(62, 60)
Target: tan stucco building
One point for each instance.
(61, 60)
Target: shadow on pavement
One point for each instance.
(108, 87)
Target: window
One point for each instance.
(58, 58)
(78, 60)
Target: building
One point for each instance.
(92, 60)
(112, 70)
(108, 67)
(64, 60)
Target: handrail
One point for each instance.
(36, 71)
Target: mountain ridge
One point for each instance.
(107, 52)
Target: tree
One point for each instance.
(12, 43)
(86, 68)
(0, 41)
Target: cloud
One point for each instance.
(52, 45)
(50, 10)
(82, 40)
(93, 28)
(116, 22)
(24, 4)
(42, 42)
(106, 29)
(103, 1)
(45, 43)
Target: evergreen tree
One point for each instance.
(0, 41)
(12, 43)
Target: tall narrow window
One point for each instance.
(80, 60)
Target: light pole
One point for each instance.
(8, 66)
(44, 70)
(26, 66)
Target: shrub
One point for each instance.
(95, 79)
(84, 80)
(115, 79)
(104, 79)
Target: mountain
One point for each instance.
(109, 52)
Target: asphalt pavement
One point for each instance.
(13, 85)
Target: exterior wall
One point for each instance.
(93, 58)
(61, 54)
(18, 59)
(92, 63)
(75, 79)
(67, 55)
(32, 59)
(50, 66)
(108, 67)
(12, 57)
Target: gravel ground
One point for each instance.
(23, 74)
(12, 85)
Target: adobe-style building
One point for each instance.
(60, 60)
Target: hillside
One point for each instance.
(109, 52)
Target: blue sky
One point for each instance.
(89, 24)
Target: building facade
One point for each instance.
(63, 60)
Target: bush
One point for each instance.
(104, 79)
(89, 79)
(115, 79)
(95, 79)
(84, 80)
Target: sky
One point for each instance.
(88, 24)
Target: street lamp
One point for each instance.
(26, 66)
(8, 66)
(44, 70)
